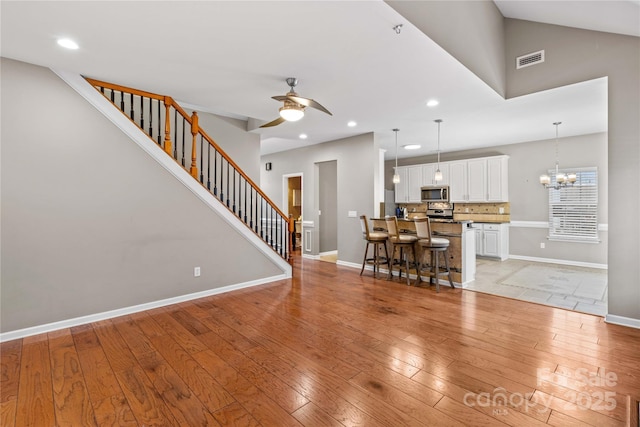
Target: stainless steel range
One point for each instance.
(440, 210)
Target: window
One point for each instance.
(573, 210)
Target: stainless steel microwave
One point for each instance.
(435, 193)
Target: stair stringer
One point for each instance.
(99, 102)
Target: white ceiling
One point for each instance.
(230, 57)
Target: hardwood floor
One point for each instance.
(329, 348)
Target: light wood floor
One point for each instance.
(329, 348)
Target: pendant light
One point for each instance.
(561, 179)
(438, 175)
(396, 177)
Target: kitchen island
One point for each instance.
(462, 246)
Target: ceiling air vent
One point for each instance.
(529, 59)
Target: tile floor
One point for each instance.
(574, 288)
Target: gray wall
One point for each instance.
(529, 200)
(355, 157)
(573, 55)
(328, 205)
(232, 136)
(90, 222)
(471, 31)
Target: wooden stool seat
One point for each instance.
(435, 246)
(375, 238)
(403, 242)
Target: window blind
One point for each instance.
(573, 210)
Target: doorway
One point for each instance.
(294, 207)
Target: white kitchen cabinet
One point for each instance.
(498, 179)
(477, 180)
(408, 189)
(492, 240)
(484, 179)
(401, 188)
(414, 183)
(458, 181)
(429, 172)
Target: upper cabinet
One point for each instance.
(429, 173)
(484, 179)
(458, 181)
(479, 180)
(408, 189)
(498, 179)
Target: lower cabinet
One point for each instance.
(492, 240)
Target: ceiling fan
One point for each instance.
(294, 105)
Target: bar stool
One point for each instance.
(402, 242)
(435, 246)
(376, 239)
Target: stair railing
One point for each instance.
(198, 153)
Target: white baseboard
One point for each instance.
(560, 261)
(309, 256)
(623, 321)
(328, 253)
(69, 323)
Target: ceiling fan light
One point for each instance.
(291, 113)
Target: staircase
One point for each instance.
(181, 138)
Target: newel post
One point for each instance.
(194, 132)
(168, 102)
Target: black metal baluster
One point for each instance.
(260, 219)
(222, 160)
(208, 166)
(131, 106)
(159, 125)
(271, 224)
(251, 208)
(245, 201)
(112, 96)
(122, 102)
(142, 112)
(184, 126)
(102, 89)
(201, 159)
(151, 118)
(175, 134)
(215, 179)
(234, 190)
(227, 183)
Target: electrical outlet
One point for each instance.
(542, 245)
(196, 272)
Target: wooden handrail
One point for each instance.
(184, 114)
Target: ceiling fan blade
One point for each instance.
(308, 103)
(275, 122)
(280, 98)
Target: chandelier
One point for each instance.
(561, 179)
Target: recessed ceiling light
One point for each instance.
(303, 136)
(411, 146)
(351, 124)
(432, 103)
(68, 43)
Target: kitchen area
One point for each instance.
(469, 206)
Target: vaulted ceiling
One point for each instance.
(230, 57)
